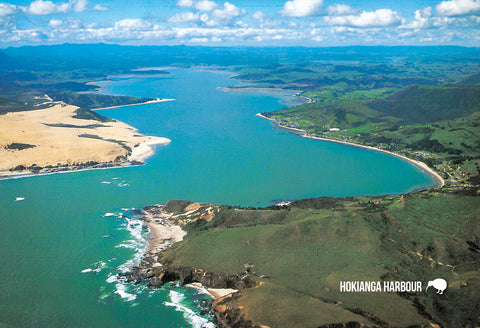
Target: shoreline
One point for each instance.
(7, 175)
(158, 100)
(139, 154)
(59, 142)
(162, 233)
(440, 182)
(147, 149)
(165, 230)
(296, 93)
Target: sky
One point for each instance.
(241, 22)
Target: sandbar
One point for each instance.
(158, 100)
(146, 149)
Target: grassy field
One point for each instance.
(302, 257)
(435, 130)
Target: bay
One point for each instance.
(62, 246)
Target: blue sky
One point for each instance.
(245, 22)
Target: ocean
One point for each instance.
(63, 245)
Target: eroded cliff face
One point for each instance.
(226, 312)
(228, 315)
(422, 235)
(158, 271)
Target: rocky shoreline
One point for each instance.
(160, 266)
(158, 271)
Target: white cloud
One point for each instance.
(425, 19)
(207, 21)
(185, 3)
(184, 17)
(47, 7)
(30, 35)
(241, 24)
(80, 6)
(258, 15)
(212, 22)
(222, 16)
(229, 11)
(301, 8)
(458, 7)
(378, 18)
(55, 23)
(341, 10)
(7, 16)
(99, 8)
(40, 7)
(267, 22)
(213, 39)
(201, 5)
(207, 13)
(141, 32)
(422, 19)
(74, 23)
(205, 5)
(7, 9)
(132, 24)
(317, 35)
(199, 40)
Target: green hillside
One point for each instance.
(302, 252)
(421, 104)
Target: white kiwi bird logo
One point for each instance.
(439, 283)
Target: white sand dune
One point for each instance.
(58, 138)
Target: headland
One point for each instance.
(58, 139)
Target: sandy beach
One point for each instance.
(146, 149)
(163, 233)
(158, 100)
(53, 137)
(216, 293)
(440, 181)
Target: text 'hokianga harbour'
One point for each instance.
(381, 286)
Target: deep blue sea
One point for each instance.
(62, 246)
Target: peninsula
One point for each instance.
(63, 138)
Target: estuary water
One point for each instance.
(63, 245)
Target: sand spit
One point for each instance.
(52, 139)
(440, 181)
(158, 100)
(146, 149)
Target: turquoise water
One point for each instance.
(62, 246)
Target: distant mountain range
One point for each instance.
(115, 56)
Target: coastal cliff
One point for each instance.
(281, 266)
(164, 222)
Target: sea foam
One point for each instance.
(122, 291)
(194, 319)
